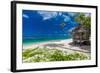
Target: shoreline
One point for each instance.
(64, 45)
(42, 44)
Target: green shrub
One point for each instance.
(47, 55)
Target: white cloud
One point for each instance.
(47, 14)
(25, 16)
(72, 14)
(60, 13)
(87, 14)
(66, 18)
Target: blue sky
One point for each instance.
(47, 23)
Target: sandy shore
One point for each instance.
(43, 44)
(60, 44)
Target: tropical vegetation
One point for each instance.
(46, 55)
(84, 20)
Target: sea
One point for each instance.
(27, 41)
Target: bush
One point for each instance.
(47, 55)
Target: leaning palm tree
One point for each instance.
(84, 20)
(80, 18)
(83, 30)
(85, 23)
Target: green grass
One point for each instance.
(47, 55)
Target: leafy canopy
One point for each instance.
(84, 20)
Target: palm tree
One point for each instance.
(84, 20)
(80, 18)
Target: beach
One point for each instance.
(44, 44)
(64, 45)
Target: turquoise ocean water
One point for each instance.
(38, 40)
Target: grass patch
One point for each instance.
(47, 55)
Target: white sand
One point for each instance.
(42, 44)
(59, 44)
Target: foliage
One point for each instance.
(47, 55)
(84, 20)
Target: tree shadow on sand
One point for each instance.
(81, 48)
(54, 45)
